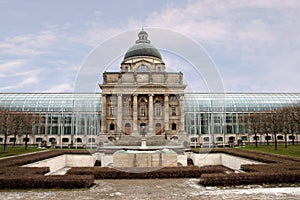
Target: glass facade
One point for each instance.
(210, 115)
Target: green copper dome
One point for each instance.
(142, 47)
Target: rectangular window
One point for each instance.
(112, 111)
(173, 111)
(143, 112)
(157, 111)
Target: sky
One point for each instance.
(255, 45)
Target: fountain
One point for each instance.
(144, 152)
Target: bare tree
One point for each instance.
(16, 123)
(4, 125)
(255, 124)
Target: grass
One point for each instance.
(291, 150)
(12, 151)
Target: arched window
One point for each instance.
(244, 138)
(256, 138)
(232, 139)
(127, 128)
(52, 140)
(268, 137)
(112, 126)
(280, 137)
(65, 140)
(143, 68)
(78, 140)
(173, 126)
(158, 129)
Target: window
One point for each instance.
(229, 119)
(173, 111)
(194, 139)
(55, 130)
(158, 69)
(38, 139)
(219, 139)
(280, 137)
(157, 111)
(126, 69)
(127, 111)
(143, 111)
(143, 68)
(112, 127)
(268, 137)
(65, 140)
(52, 140)
(1, 139)
(206, 139)
(78, 140)
(25, 139)
(256, 138)
(68, 120)
(291, 137)
(174, 126)
(54, 120)
(12, 139)
(244, 138)
(92, 140)
(217, 119)
(112, 111)
(232, 139)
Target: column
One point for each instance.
(151, 114)
(166, 113)
(135, 114)
(103, 114)
(120, 113)
(181, 104)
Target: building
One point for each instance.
(142, 99)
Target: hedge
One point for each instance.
(167, 172)
(249, 178)
(40, 181)
(13, 176)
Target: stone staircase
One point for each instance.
(128, 140)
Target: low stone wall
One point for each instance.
(158, 158)
(66, 160)
(226, 160)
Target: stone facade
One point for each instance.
(143, 98)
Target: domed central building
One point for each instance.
(143, 99)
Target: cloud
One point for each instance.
(63, 87)
(255, 44)
(28, 44)
(22, 79)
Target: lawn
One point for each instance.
(11, 151)
(291, 150)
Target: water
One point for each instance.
(156, 189)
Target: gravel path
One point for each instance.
(156, 189)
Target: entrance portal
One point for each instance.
(127, 129)
(143, 129)
(158, 129)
